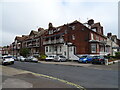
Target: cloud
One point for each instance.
(22, 17)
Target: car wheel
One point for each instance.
(86, 61)
(101, 63)
(12, 62)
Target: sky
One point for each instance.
(19, 17)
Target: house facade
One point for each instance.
(0, 51)
(70, 39)
(34, 42)
(5, 50)
(114, 43)
(75, 39)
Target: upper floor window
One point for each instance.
(49, 49)
(50, 32)
(65, 31)
(73, 27)
(92, 38)
(73, 37)
(58, 29)
(55, 48)
(97, 38)
(94, 29)
(93, 48)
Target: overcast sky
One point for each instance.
(19, 17)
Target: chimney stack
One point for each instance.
(50, 26)
(90, 22)
(109, 35)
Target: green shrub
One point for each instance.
(42, 57)
(112, 56)
(117, 54)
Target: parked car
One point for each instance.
(0, 59)
(21, 58)
(7, 60)
(15, 58)
(99, 59)
(60, 58)
(31, 59)
(50, 57)
(85, 59)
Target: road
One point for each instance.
(86, 77)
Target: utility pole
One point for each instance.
(67, 40)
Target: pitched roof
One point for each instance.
(18, 38)
(33, 32)
(41, 32)
(96, 25)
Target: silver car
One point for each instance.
(60, 58)
(31, 59)
(21, 58)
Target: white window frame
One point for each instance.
(73, 27)
(73, 37)
(50, 32)
(49, 49)
(60, 48)
(94, 29)
(92, 36)
(93, 48)
(46, 49)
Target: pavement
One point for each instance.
(16, 78)
(88, 65)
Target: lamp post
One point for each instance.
(68, 43)
(16, 47)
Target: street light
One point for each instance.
(16, 47)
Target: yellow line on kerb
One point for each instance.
(64, 81)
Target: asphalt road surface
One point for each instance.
(86, 77)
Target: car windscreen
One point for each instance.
(8, 57)
(62, 56)
(96, 57)
(83, 56)
(51, 56)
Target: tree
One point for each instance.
(24, 52)
(117, 54)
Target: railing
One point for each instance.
(33, 45)
(53, 41)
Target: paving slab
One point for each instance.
(16, 78)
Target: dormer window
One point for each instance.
(58, 29)
(73, 27)
(94, 29)
(73, 37)
(50, 32)
(65, 31)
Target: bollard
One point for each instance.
(106, 61)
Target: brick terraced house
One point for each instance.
(70, 39)
(34, 42)
(75, 39)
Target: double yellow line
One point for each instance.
(64, 81)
